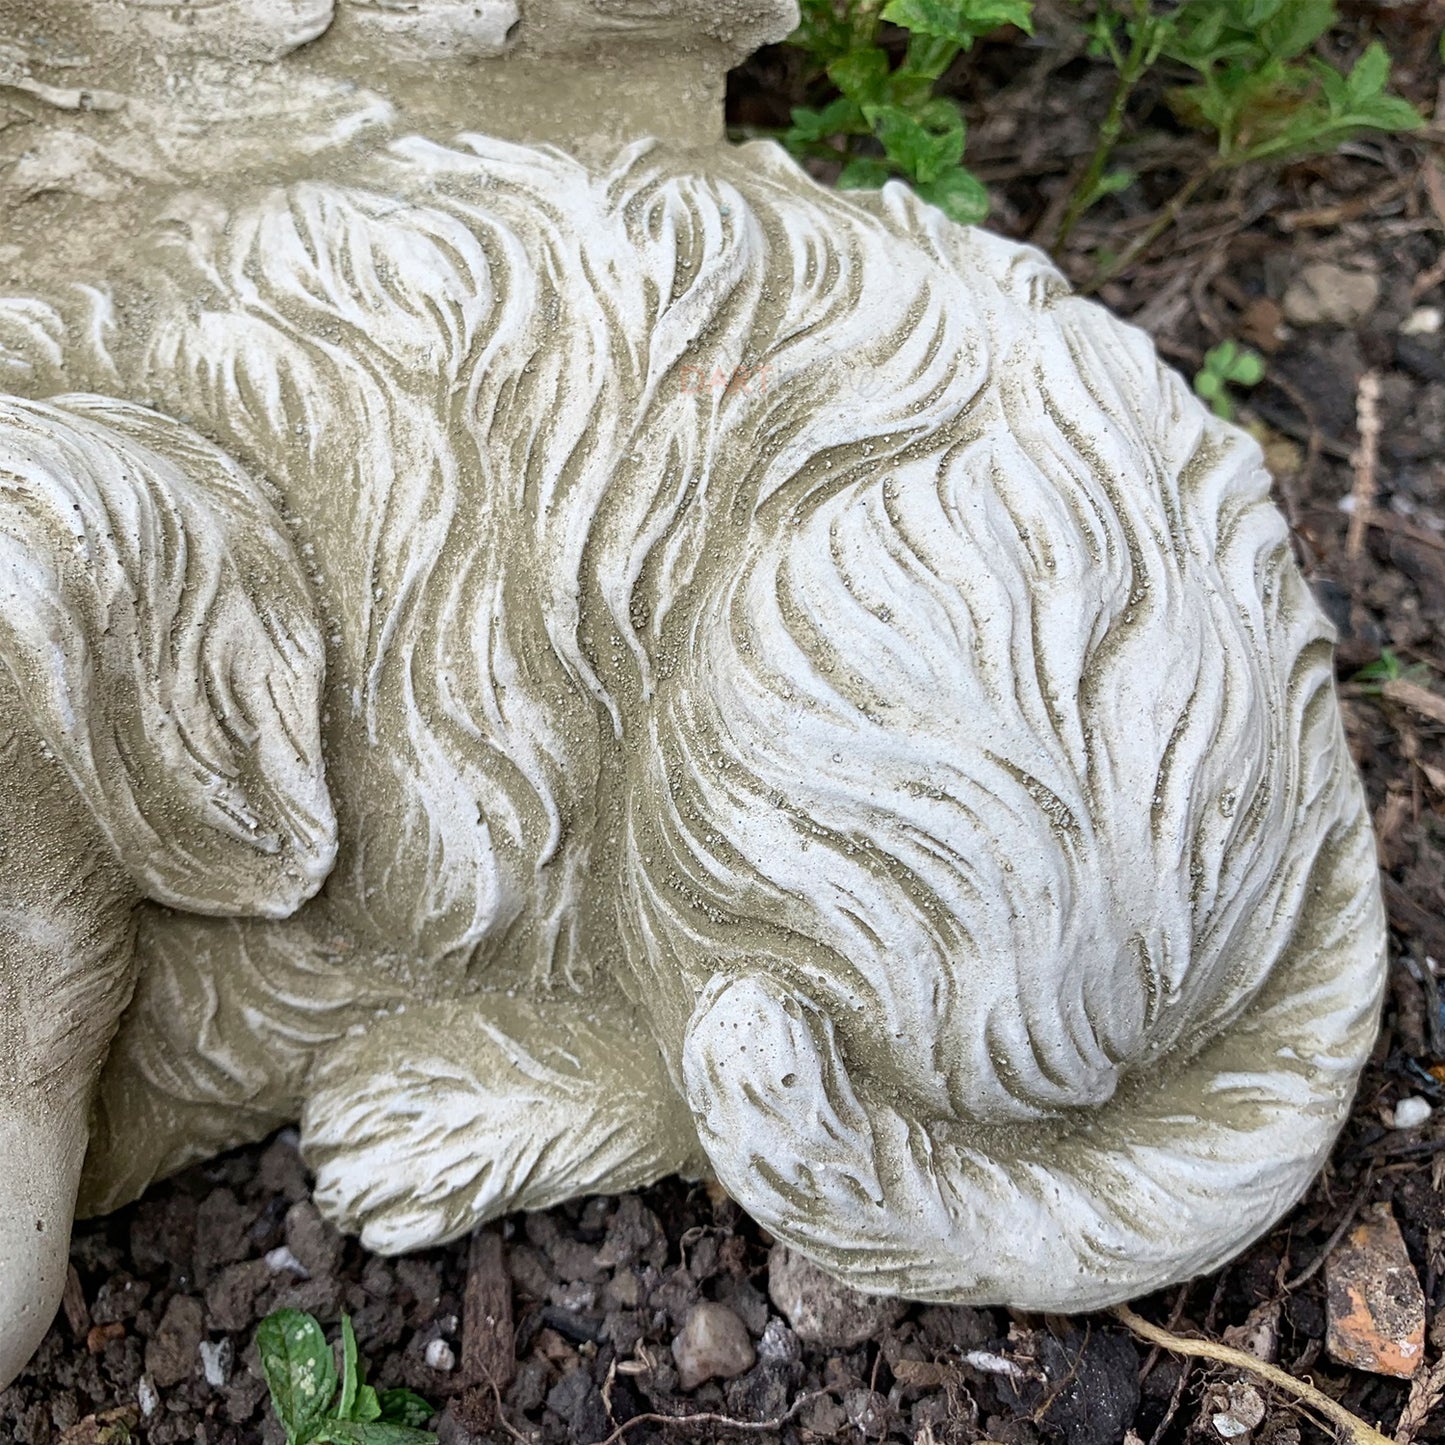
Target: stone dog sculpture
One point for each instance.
(558, 666)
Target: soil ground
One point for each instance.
(573, 1314)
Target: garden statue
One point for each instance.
(555, 657)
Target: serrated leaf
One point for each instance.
(839, 117)
(863, 173)
(862, 75)
(912, 89)
(939, 114)
(405, 1407)
(299, 1370)
(920, 153)
(959, 194)
(959, 20)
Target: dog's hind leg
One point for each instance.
(440, 1117)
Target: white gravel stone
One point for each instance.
(147, 1396)
(216, 1363)
(1423, 321)
(282, 1261)
(713, 1345)
(440, 1356)
(1411, 1112)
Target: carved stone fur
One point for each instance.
(771, 682)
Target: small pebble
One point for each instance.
(171, 1352)
(1423, 321)
(147, 1396)
(1411, 1112)
(1242, 1409)
(821, 1310)
(281, 1261)
(216, 1363)
(440, 1356)
(1326, 294)
(713, 1345)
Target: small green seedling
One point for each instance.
(1372, 678)
(1228, 364)
(879, 107)
(313, 1407)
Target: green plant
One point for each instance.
(1228, 364)
(1248, 76)
(920, 134)
(1371, 679)
(313, 1406)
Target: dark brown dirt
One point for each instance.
(156, 1336)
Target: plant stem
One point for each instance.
(931, 55)
(1131, 72)
(1164, 218)
(1351, 1427)
(865, 22)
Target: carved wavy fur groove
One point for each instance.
(801, 695)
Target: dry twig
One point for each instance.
(1353, 1428)
(1416, 698)
(1389, 522)
(1366, 460)
(725, 1422)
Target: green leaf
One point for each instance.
(920, 153)
(1295, 26)
(959, 20)
(299, 1370)
(371, 1432)
(1389, 668)
(1370, 73)
(862, 75)
(1390, 112)
(350, 1371)
(863, 173)
(1119, 179)
(1247, 369)
(368, 1405)
(1334, 85)
(839, 117)
(938, 114)
(405, 1407)
(959, 194)
(1385, 669)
